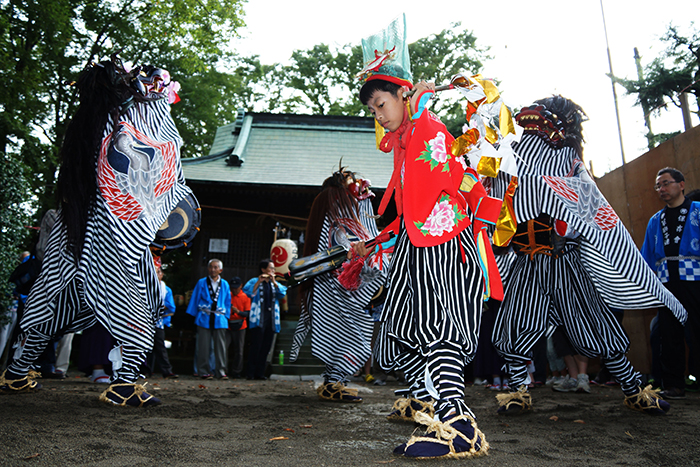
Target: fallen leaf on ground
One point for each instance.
(305, 426)
(201, 386)
(554, 418)
(579, 421)
(629, 434)
(278, 438)
(289, 429)
(32, 456)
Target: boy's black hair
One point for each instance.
(370, 87)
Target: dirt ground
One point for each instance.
(237, 422)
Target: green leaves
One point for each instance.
(427, 156)
(440, 56)
(458, 215)
(13, 216)
(46, 44)
(322, 80)
(676, 70)
(420, 225)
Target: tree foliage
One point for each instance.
(45, 44)
(675, 71)
(12, 221)
(440, 56)
(323, 82)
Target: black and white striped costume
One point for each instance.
(431, 318)
(341, 330)
(601, 269)
(140, 181)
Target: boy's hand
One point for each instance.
(358, 248)
(420, 87)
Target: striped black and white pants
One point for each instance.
(559, 291)
(67, 311)
(431, 318)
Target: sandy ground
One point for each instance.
(236, 423)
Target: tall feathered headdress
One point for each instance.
(385, 55)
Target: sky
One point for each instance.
(538, 49)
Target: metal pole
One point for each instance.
(612, 79)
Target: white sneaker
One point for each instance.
(553, 380)
(559, 380)
(568, 385)
(582, 384)
(101, 379)
(99, 376)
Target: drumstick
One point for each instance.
(444, 87)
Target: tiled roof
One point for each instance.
(286, 149)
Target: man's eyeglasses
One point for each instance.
(664, 184)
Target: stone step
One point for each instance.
(294, 369)
(306, 364)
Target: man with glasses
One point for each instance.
(672, 249)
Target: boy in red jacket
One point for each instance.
(430, 321)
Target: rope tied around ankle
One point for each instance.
(520, 397)
(441, 430)
(139, 390)
(647, 397)
(446, 434)
(28, 380)
(335, 388)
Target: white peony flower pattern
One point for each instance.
(443, 218)
(436, 153)
(438, 148)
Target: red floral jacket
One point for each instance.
(433, 189)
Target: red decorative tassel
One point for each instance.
(349, 277)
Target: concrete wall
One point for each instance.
(629, 189)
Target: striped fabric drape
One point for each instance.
(599, 270)
(115, 281)
(341, 330)
(555, 182)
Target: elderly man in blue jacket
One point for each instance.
(211, 307)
